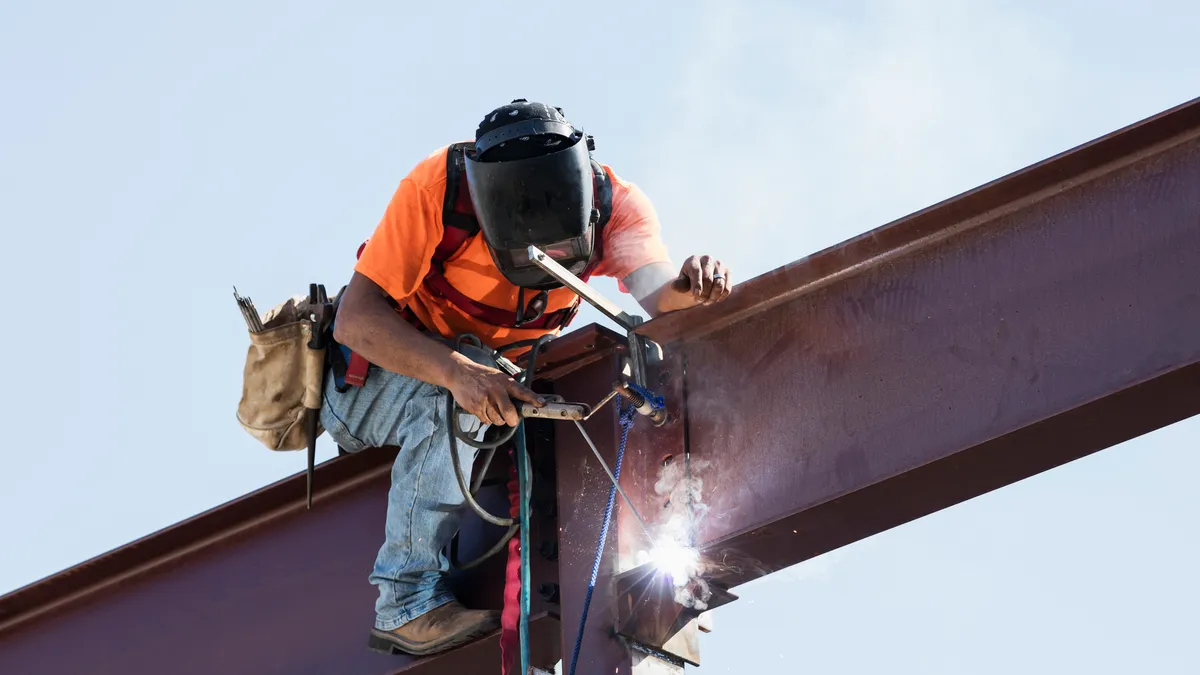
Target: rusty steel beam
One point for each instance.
(1048, 315)
(261, 585)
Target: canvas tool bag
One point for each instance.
(284, 373)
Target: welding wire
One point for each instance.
(613, 478)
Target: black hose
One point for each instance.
(477, 481)
(456, 434)
(496, 548)
(462, 481)
(526, 379)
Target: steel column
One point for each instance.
(583, 490)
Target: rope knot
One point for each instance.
(653, 399)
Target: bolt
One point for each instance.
(549, 549)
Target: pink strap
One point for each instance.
(511, 614)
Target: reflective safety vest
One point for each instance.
(459, 228)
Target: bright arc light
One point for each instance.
(673, 558)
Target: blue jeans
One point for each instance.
(424, 505)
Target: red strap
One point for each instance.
(511, 614)
(452, 239)
(488, 314)
(356, 371)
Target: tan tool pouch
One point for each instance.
(282, 378)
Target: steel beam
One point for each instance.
(1012, 329)
(1025, 324)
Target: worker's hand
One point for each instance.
(487, 393)
(706, 278)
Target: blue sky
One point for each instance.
(152, 156)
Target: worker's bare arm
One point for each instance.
(367, 324)
(702, 280)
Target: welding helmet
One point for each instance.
(530, 178)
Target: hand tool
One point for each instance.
(320, 315)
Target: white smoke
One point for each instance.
(674, 552)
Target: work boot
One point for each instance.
(446, 627)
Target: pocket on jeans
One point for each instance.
(339, 432)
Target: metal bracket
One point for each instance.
(564, 277)
(639, 347)
(648, 613)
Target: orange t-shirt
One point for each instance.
(399, 254)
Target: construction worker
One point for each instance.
(448, 257)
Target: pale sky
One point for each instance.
(151, 157)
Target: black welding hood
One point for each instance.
(530, 177)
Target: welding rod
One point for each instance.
(613, 478)
(246, 315)
(258, 325)
(249, 313)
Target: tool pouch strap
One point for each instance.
(349, 367)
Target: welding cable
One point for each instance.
(626, 417)
(496, 548)
(525, 377)
(456, 434)
(476, 483)
(458, 472)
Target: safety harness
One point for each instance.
(459, 227)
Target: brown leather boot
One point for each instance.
(444, 628)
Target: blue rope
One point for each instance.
(627, 417)
(656, 402)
